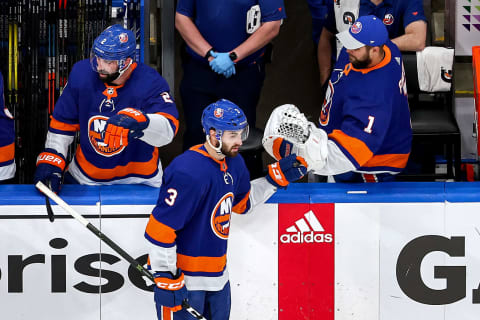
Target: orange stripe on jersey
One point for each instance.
(223, 163)
(171, 118)
(386, 60)
(140, 168)
(201, 264)
(356, 147)
(62, 126)
(7, 152)
(242, 205)
(159, 231)
(388, 160)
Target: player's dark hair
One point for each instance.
(380, 49)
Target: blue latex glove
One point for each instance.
(170, 290)
(222, 64)
(126, 125)
(288, 169)
(50, 166)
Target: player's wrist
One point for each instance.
(209, 53)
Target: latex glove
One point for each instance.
(126, 125)
(50, 166)
(286, 170)
(170, 290)
(222, 64)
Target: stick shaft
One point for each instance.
(134, 263)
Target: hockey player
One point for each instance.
(123, 111)
(188, 229)
(7, 139)
(365, 113)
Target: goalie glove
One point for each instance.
(126, 125)
(287, 170)
(288, 131)
(170, 290)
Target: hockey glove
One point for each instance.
(126, 125)
(222, 64)
(286, 170)
(50, 166)
(170, 290)
(281, 148)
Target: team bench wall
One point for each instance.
(315, 251)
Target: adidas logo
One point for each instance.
(306, 230)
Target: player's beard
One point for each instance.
(108, 78)
(360, 64)
(227, 151)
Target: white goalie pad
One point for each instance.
(288, 123)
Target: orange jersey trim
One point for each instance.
(7, 152)
(62, 126)
(242, 205)
(201, 264)
(171, 118)
(388, 160)
(356, 147)
(223, 163)
(140, 168)
(160, 232)
(386, 60)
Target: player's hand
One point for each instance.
(127, 124)
(170, 290)
(286, 170)
(222, 64)
(50, 166)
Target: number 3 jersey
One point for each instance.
(87, 103)
(190, 224)
(366, 113)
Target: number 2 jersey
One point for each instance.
(366, 115)
(190, 224)
(7, 139)
(86, 104)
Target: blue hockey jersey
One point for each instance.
(197, 196)
(7, 139)
(86, 104)
(366, 113)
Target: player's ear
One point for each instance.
(213, 138)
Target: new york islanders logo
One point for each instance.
(96, 130)
(388, 19)
(218, 113)
(220, 218)
(356, 27)
(327, 105)
(123, 37)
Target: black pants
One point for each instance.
(201, 86)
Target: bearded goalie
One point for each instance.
(342, 154)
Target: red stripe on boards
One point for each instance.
(306, 261)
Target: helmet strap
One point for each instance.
(218, 149)
(125, 68)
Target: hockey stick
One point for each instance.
(134, 263)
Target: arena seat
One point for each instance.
(435, 130)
